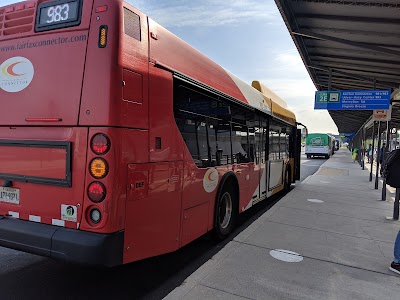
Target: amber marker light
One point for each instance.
(103, 36)
(98, 168)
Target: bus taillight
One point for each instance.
(96, 192)
(98, 168)
(100, 144)
(95, 216)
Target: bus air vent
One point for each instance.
(1, 20)
(17, 21)
(131, 24)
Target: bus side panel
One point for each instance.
(133, 57)
(101, 72)
(165, 139)
(275, 171)
(153, 209)
(167, 49)
(196, 202)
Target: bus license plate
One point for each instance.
(9, 195)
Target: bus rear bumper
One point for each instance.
(61, 243)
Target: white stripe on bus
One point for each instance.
(35, 218)
(58, 222)
(14, 214)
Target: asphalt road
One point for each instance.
(309, 165)
(26, 276)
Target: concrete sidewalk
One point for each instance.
(345, 243)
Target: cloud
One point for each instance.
(6, 2)
(288, 78)
(315, 120)
(212, 13)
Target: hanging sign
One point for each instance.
(352, 100)
(382, 114)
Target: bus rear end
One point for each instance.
(53, 195)
(317, 144)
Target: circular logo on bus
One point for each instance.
(210, 180)
(70, 211)
(16, 74)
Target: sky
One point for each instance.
(248, 38)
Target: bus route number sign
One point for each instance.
(58, 14)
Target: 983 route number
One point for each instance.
(58, 13)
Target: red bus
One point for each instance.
(119, 141)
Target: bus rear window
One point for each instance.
(58, 14)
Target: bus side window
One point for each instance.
(240, 143)
(223, 144)
(274, 141)
(194, 134)
(283, 144)
(259, 145)
(252, 145)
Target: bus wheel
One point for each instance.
(226, 212)
(308, 156)
(287, 180)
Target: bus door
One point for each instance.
(297, 154)
(259, 167)
(275, 163)
(262, 161)
(152, 221)
(243, 147)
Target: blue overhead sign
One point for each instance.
(352, 100)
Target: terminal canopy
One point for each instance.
(348, 45)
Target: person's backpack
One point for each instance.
(391, 168)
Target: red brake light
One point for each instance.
(96, 192)
(100, 144)
(101, 9)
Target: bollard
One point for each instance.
(396, 205)
(378, 156)
(384, 189)
(372, 152)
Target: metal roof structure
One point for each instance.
(348, 45)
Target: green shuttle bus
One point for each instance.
(319, 144)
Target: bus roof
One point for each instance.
(278, 106)
(170, 52)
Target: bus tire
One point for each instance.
(287, 183)
(308, 156)
(226, 210)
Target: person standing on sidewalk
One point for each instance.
(382, 154)
(369, 153)
(395, 265)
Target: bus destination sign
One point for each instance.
(352, 100)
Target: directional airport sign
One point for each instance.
(352, 100)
